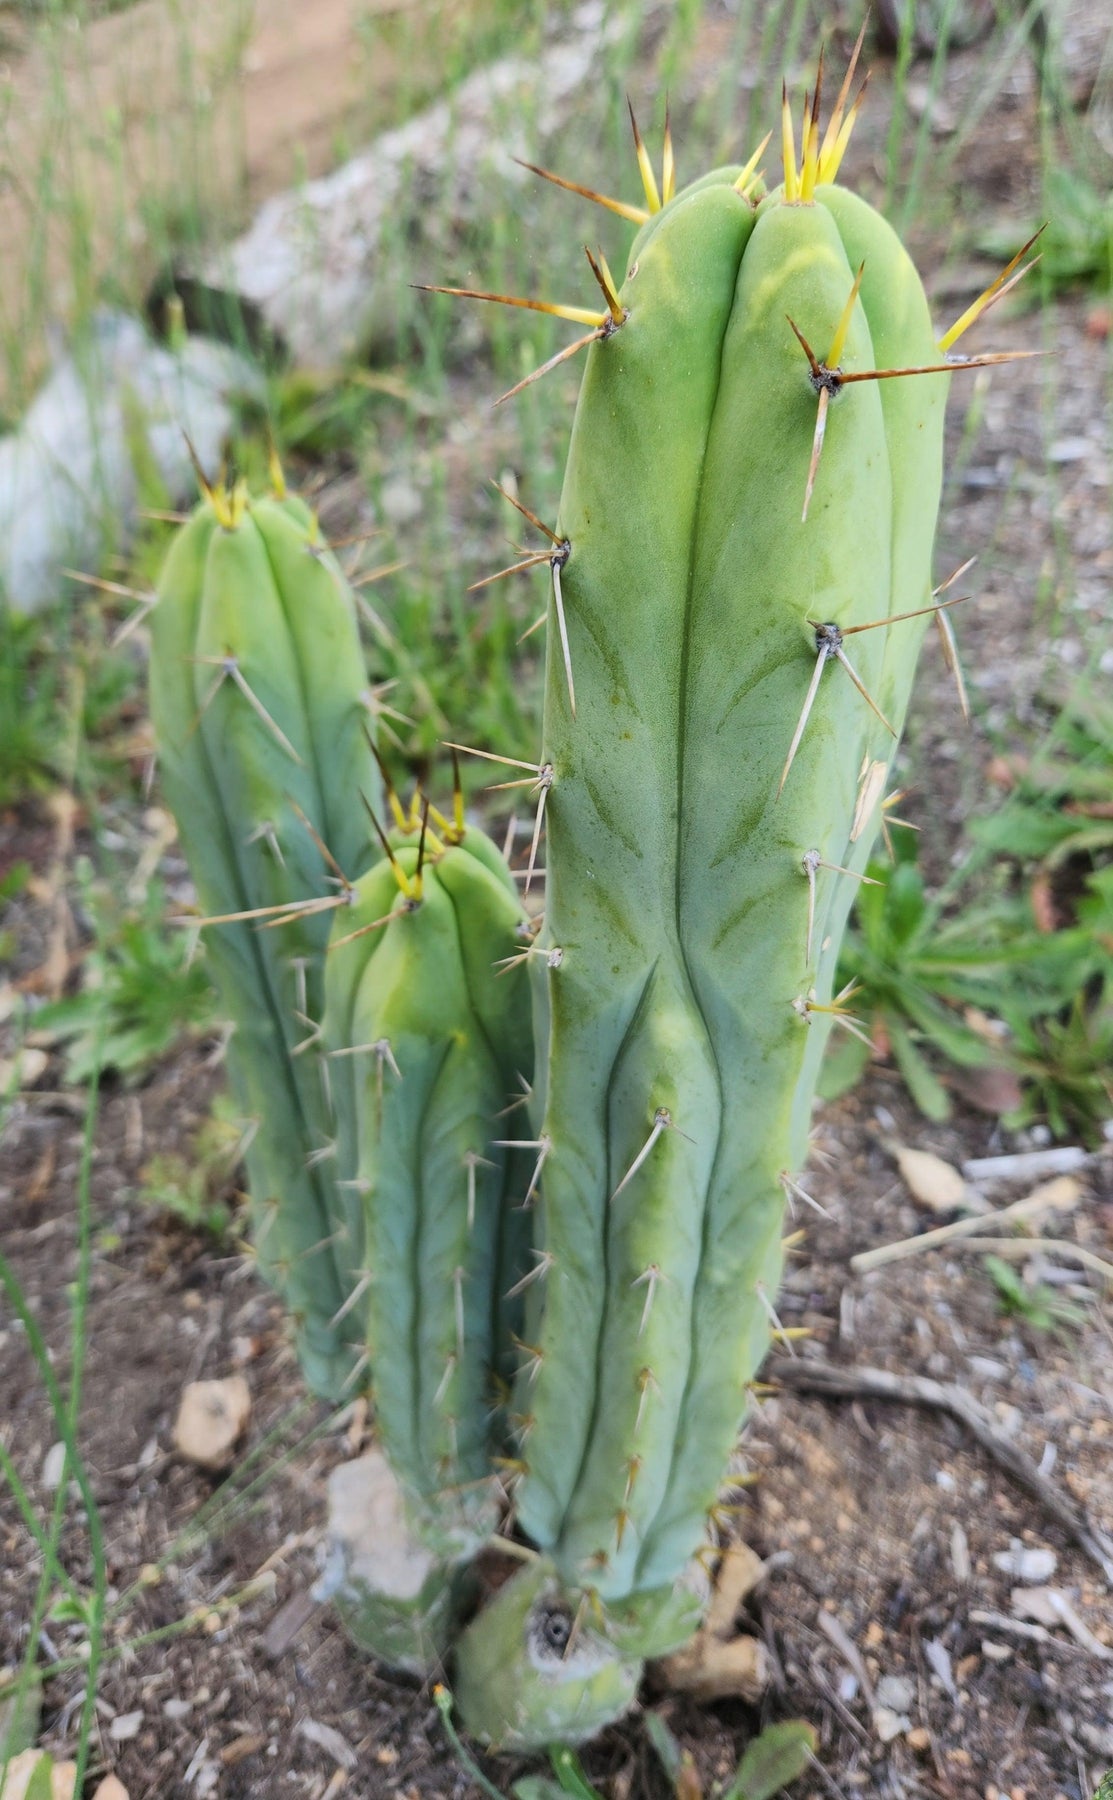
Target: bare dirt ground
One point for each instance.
(883, 1519)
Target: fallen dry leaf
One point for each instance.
(720, 1663)
(930, 1180)
(1042, 902)
(211, 1418)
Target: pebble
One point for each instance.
(1025, 1564)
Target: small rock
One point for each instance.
(211, 1418)
(994, 1652)
(54, 1463)
(895, 1692)
(889, 1725)
(988, 1367)
(111, 1788)
(1025, 1564)
(942, 1668)
(125, 1726)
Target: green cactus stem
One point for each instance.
(258, 699)
(737, 509)
(428, 1008)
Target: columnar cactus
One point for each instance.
(258, 702)
(747, 490)
(428, 1011)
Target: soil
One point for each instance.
(885, 1520)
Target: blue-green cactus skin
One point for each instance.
(683, 1042)
(252, 586)
(441, 1042)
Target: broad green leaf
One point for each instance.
(41, 1784)
(771, 1761)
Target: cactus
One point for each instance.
(737, 508)
(428, 1007)
(257, 698)
(749, 500)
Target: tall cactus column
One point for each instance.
(748, 495)
(257, 698)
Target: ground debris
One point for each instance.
(328, 1739)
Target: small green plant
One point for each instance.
(964, 979)
(63, 693)
(194, 1186)
(770, 1762)
(30, 699)
(912, 971)
(1060, 809)
(1037, 1303)
(1077, 244)
(142, 986)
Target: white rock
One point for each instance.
(68, 484)
(889, 1725)
(453, 154)
(53, 1464)
(1026, 1564)
(895, 1692)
